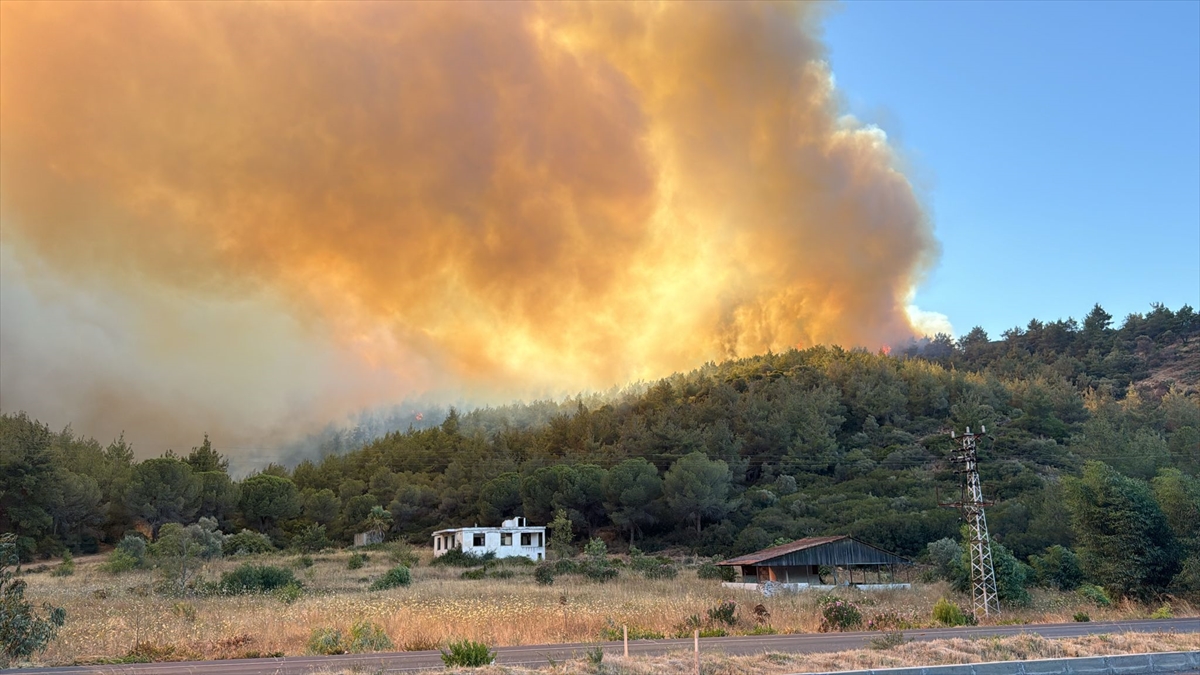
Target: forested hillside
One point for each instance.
(722, 460)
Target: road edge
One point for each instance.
(1122, 664)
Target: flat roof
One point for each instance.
(497, 528)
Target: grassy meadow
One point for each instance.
(111, 617)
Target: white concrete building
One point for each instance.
(513, 538)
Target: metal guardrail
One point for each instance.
(1124, 664)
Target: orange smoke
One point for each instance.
(506, 196)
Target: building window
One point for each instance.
(526, 539)
(506, 538)
(477, 540)
(537, 538)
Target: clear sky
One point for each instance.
(1057, 147)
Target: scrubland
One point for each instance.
(114, 617)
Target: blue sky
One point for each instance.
(1057, 146)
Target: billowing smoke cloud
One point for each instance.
(242, 216)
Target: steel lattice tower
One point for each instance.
(983, 576)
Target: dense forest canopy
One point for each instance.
(723, 460)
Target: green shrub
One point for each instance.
(456, 558)
(66, 568)
(247, 542)
(133, 544)
(119, 561)
(660, 572)
(839, 615)
(949, 614)
(466, 653)
(1082, 617)
(326, 641)
(762, 629)
(401, 553)
(1094, 594)
(1187, 583)
(369, 637)
(595, 656)
(597, 549)
(685, 627)
(1057, 568)
(599, 572)
(22, 632)
(544, 574)
(596, 565)
(946, 557)
(709, 569)
(1011, 575)
(565, 566)
(651, 567)
(303, 562)
(356, 561)
(725, 613)
(289, 593)
(475, 574)
(250, 578)
(397, 576)
(1163, 612)
(312, 539)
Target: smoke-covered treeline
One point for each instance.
(724, 459)
(412, 198)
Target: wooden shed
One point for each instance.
(800, 562)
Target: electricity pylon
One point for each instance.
(983, 576)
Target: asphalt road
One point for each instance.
(400, 662)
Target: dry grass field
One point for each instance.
(940, 652)
(109, 616)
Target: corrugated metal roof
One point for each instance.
(836, 550)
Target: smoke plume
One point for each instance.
(244, 217)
